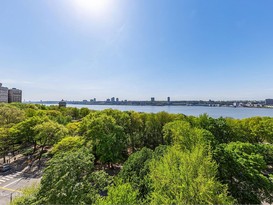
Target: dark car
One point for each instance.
(4, 167)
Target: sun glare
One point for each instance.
(93, 7)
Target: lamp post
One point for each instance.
(9, 154)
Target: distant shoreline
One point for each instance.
(228, 104)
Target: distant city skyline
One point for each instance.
(138, 49)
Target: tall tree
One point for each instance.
(107, 138)
(5, 142)
(242, 166)
(49, 133)
(70, 178)
(122, 193)
(186, 177)
(10, 115)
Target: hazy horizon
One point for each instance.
(135, 50)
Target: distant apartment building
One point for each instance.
(4, 94)
(113, 99)
(169, 99)
(269, 101)
(62, 104)
(14, 95)
(152, 99)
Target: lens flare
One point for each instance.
(94, 8)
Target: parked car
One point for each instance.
(4, 167)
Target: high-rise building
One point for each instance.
(152, 99)
(169, 99)
(113, 99)
(14, 95)
(62, 103)
(117, 100)
(4, 94)
(269, 101)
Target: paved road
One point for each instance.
(12, 183)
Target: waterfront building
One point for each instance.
(14, 95)
(3, 94)
(117, 100)
(113, 99)
(169, 99)
(152, 99)
(269, 101)
(62, 104)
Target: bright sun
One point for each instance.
(94, 8)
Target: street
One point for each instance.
(12, 183)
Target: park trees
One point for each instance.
(120, 193)
(201, 159)
(10, 115)
(186, 177)
(70, 178)
(242, 166)
(152, 132)
(5, 142)
(68, 144)
(182, 133)
(106, 137)
(136, 169)
(135, 131)
(218, 127)
(48, 133)
(24, 133)
(186, 173)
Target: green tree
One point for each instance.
(10, 115)
(153, 132)
(24, 133)
(136, 169)
(120, 194)
(5, 142)
(218, 127)
(135, 131)
(73, 112)
(73, 128)
(182, 133)
(242, 166)
(107, 138)
(49, 133)
(186, 177)
(84, 112)
(68, 144)
(70, 178)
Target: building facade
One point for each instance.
(269, 101)
(14, 95)
(3, 94)
(62, 104)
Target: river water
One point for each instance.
(214, 112)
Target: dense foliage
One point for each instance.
(161, 158)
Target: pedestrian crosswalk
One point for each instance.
(6, 178)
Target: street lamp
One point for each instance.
(9, 154)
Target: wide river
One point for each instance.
(215, 112)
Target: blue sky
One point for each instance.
(136, 49)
